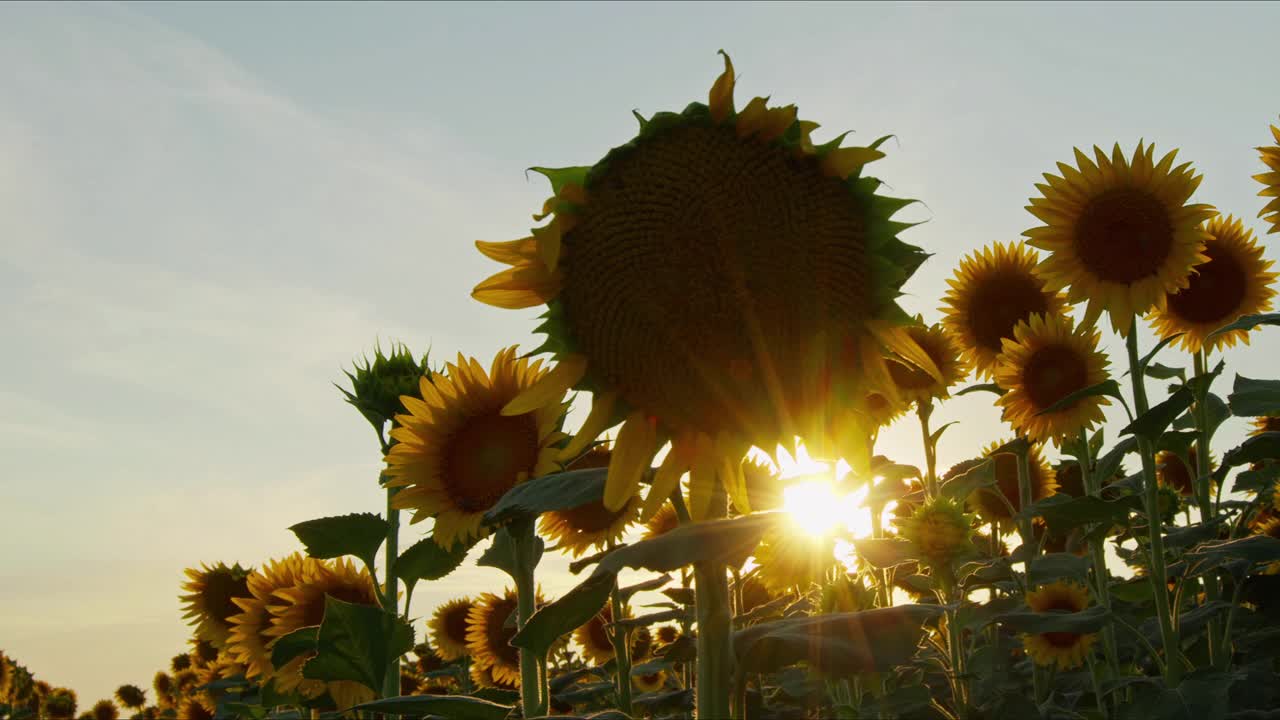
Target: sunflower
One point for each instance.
(1047, 360)
(754, 593)
(162, 683)
(448, 627)
(209, 602)
(592, 525)
(763, 486)
(719, 281)
(131, 696)
(1236, 281)
(1065, 649)
(662, 522)
(790, 561)
(249, 642)
(940, 530)
(1119, 233)
(192, 709)
(915, 385)
(1265, 424)
(881, 409)
(6, 677)
(989, 507)
(59, 704)
(180, 662)
(490, 627)
(992, 291)
(641, 642)
(456, 453)
(1173, 472)
(651, 682)
(202, 652)
(593, 637)
(665, 635)
(1271, 157)
(105, 710)
(483, 676)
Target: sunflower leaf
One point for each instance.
(937, 434)
(571, 610)
(1085, 621)
(557, 491)
(885, 552)
(1252, 550)
(1157, 419)
(1054, 566)
(960, 487)
(1202, 695)
(713, 541)
(502, 553)
(358, 534)
(1248, 322)
(981, 387)
(1109, 463)
(651, 584)
(1062, 513)
(1252, 398)
(1106, 388)
(426, 560)
(1265, 446)
(294, 644)
(837, 644)
(356, 642)
(1164, 342)
(456, 707)
(1257, 481)
(1164, 372)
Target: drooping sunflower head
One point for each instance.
(916, 385)
(1120, 233)
(131, 696)
(491, 625)
(753, 592)
(457, 452)
(1270, 156)
(1064, 649)
(105, 710)
(592, 525)
(718, 280)
(59, 704)
(663, 522)
(249, 642)
(665, 635)
(988, 506)
(209, 599)
(593, 637)
(794, 561)
(1047, 360)
(1235, 281)
(448, 628)
(940, 530)
(993, 290)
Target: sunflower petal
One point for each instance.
(667, 479)
(720, 99)
(511, 252)
(598, 420)
(632, 454)
(550, 388)
(900, 341)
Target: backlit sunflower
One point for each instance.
(719, 281)
(763, 486)
(162, 683)
(180, 662)
(202, 652)
(593, 637)
(249, 642)
(915, 385)
(59, 704)
(457, 453)
(992, 291)
(939, 529)
(1270, 155)
(754, 593)
(448, 628)
(1064, 649)
(6, 677)
(988, 506)
(490, 627)
(1236, 281)
(665, 635)
(663, 522)
(131, 696)
(881, 409)
(793, 561)
(592, 525)
(1119, 233)
(1047, 360)
(209, 599)
(652, 682)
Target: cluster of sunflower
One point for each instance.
(23, 696)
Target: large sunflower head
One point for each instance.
(916, 385)
(1064, 649)
(457, 452)
(209, 600)
(249, 642)
(131, 696)
(719, 280)
(448, 628)
(1120, 233)
(1234, 282)
(794, 560)
(491, 625)
(592, 525)
(593, 637)
(993, 290)
(986, 504)
(1047, 360)
(1271, 181)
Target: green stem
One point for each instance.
(1203, 444)
(883, 590)
(391, 682)
(1158, 575)
(1024, 501)
(620, 638)
(532, 672)
(959, 687)
(1101, 577)
(923, 410)
(1224, 655)
(711, 593)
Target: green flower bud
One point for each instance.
(377, 384)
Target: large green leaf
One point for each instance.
(958, 488)
(454, 707)
(1164, 372)
(1218, 414)
(1252, 398)
(503, 552)
(1054, 566)
(1109, 463)
(356, 642)
(1202, 695)
(558, 491)
(885, 552)
(571, 610)
(1250, 550)
(1157, 419)
(359, 534)
(650, 584)
(1083, 622)
(1248, 322)
(1265, 446)
(1106, 388)
(288, 647)
(716, 541)
(1063, 513)
(1145, 361)
(1256, 481)
(838, 644)
(426, 560)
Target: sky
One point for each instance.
(207, 210)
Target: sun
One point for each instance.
(816, 496)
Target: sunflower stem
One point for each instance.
(1101, 577)
(1158, 574)
(391, 682)
(532, 668)
(924, 409)
(1212, 591)
(620, 639)
(715, 631)
(1029, 545)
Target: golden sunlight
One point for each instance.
(814, 495)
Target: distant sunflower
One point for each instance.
(131, 696)
(180, 662)
(1064, 649)
(1271, 180)
(651, 682)
(491, 625)
(162, 683)
(989, 507)
(793, 561)
(881, 409)
(1047, 360)
(915, 385)
(249, 641)
(209, 599)
(993, 290)
(593, 637)
(59, 704)
(448, 628)
(1236, 281)
(663, 522)
(665, 635)
(6, 678)
(754, 593)
(457, 453)
(191, 708)
(1119, 233)
(720, 281)
(105, 710)
(202, 652)
(592, 525)
(1178, 474)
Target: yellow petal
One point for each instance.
(720, 100)
(702, 479)
(548, 244)
(752, 117)
(549, 388)
(512, 252)
(900, 341)
(777, 121)
(632, 454)
(667, 479)
(598, 420)
(842, 162)
(731, 475)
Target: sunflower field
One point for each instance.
(723, 288)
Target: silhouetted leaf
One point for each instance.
(714, 541)
(1250, 550)
(651, 584)
(571, 610)
(1145, 361)
(1106, 388)
(294, 644)
(1054, 566)
(455, 707)
(558, 491)
(1253, 398)
(1063, 513)
(1248, 322)
(981, 387)
(359, 535)
(1157, 419)
(1164, 372)
(501, 553)
(885, 552)
(356, 642)
(838, 644)
(1265, 446)
(1083, 622)
(426, 560)
(960, 487)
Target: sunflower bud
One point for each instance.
(377, 384)
(940, 531)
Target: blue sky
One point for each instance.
(207, 210)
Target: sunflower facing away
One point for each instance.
(940, 531)
(992, 291)
(1236, 281)
(131, 697)
(592, 525)
(490, 627)
(457, 453)
(1119, 232)
(1064, 649)
(763, 487)
(483, 676)
(192, 709)
(448, 628)
(105, 710)
(718, 281)
(1270, 155)
(985, 503)
(1047, 360)
(250, 643)
(915, 385)
(209, 600)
